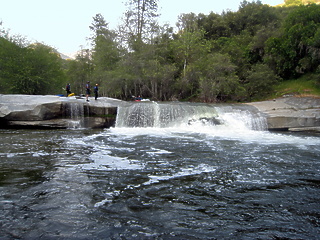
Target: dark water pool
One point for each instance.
(152, 183)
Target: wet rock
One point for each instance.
(290, 113)
(32, 111)
(29, 108)
(35, 111)
(205, 121)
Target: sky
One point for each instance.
(64, 24)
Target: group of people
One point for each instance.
(88, 91)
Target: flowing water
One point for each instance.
(166, 171)
(75, 111)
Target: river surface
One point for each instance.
(197, 180)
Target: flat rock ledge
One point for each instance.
(291, 113)
(48, 111)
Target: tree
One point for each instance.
(44, 70)
(9, 66)
(218, 79)
(256, 49)
(237, 48)
(137, 34)
(187, 23)
(260, 80)
(140, 22)
(105, 53)
(252, 16)
(214, 25)
(295, 51)
(33, 69)
(80, 71)
(188, 47)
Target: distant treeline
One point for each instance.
(232, 56)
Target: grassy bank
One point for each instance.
(308, 85)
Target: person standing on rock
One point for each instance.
(96, 91)
(88, 91)
(68, 89)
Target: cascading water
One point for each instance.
(75, 111)
(164, 115)
(243, 116)
(166, 171)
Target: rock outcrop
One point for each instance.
(30, 111)
(291, 113)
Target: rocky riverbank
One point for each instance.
(35, 111)
(29, 111)
(291, 113)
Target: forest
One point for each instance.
(228, 57)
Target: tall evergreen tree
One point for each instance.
(140, 22)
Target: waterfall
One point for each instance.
(160, 115)
(243, 116)
(75, 112)
(175, 114)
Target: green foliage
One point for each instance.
(233, 56)
(188, 46)
(260, 80)
(80, 71)
(35, 69)
(104, 57)
(295, 52)
(218, 79)
(139, 22)
(9, 65)
(252, 16)
(214, 25)
(105, 53)
(308, 85)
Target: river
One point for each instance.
(215, 175)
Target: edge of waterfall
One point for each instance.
(47, 111)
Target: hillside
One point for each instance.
(237, 56)
(297, 2)
(308, 85)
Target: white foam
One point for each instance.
(218, 132)
(153, 179)
(103, 161)
(190, 171)
(108, 199)
(155, 151)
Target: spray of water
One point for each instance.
(168, 115)
(74, 111)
